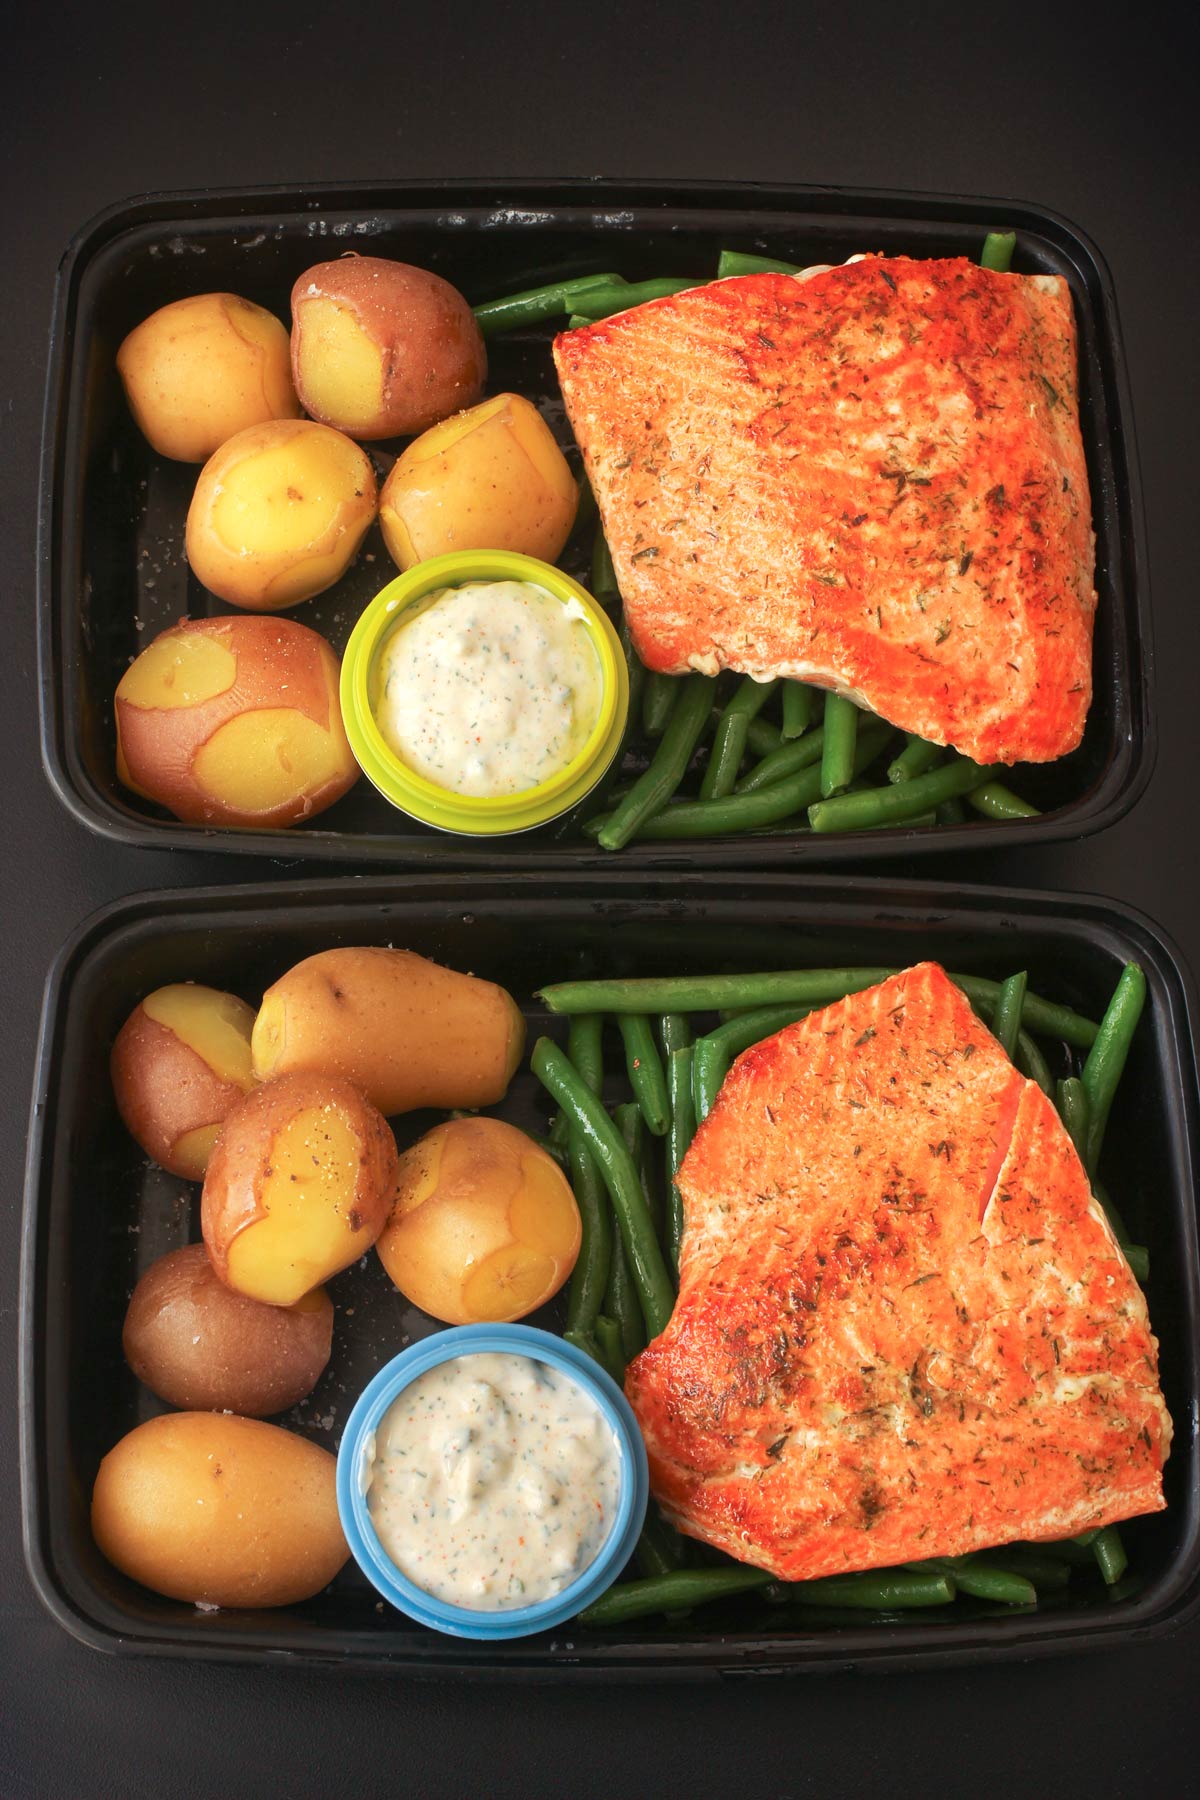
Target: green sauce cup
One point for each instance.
(471, 814)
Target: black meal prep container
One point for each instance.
(97, 1213)
(111, 568)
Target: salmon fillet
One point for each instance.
(904, 1328)
(872, 479)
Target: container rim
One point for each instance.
(431, 1353)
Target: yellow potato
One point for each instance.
(404, 1030)
(485, 1226)
(278, 514)
(382, 349)
(492, 478)
(197, 1344)
(179, 1064)
(298, 1187)
(235, 721)
(199, 370)
(220, 1511)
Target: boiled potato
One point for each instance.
(381, 349)
(200, 370)
(220, 1511)
(179, 1064)
(485, 1226)
(278, 514)
(404, 1030)
(298, 1187)
(234, 721)
(197, 1344)
(492, 478)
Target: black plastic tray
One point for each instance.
(97, 1213)
(111, 568)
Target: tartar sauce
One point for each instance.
(488, 688)
(493, 1481)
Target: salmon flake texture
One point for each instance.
(873, 479)
(904, 1328)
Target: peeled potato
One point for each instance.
(278, 514)
(404, 1030)
(179, 1064)
(234, 721)
(298, 1187)
(484, 1227)
(381, 349)
(201, 369)
(220, 1511)
(492, 478)
(199, 1345)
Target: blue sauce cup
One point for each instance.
(353, 1474)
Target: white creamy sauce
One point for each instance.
(493, 1481)
(488, 688)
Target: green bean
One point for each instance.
(601, 303)
(1066, 1550)
(550, 1147)
(798, 702)
(998, 247)
(536, 304)
(677, 1592)
(739, 812)
(604, 576)
(1006, 1018)
(879, 1589)
(1072, 1098)
(740, 262)
(1138, 1258)
(837, 748)
(645, 1070)
(658, 702)
(917, 758)
(952, 812)
(995, 801)
(620, 1299)
(666, 771)
(1108, 1207)
(982, 1580)
(729, 745)
(1110, 1555)
(762, 737)
(1031, 1062)
(675, 1032)
(608, 1344)
(559, 1131)
(818, 987)
(1045, 1571)
(1086, 1538)
(589, 1278)
(577, 320)
(659, 1549)
(683, 1127)
(655, 1290)
(853, 812)
(713, 1053)
(585, 506)
(791, 756)
(1107, 1056)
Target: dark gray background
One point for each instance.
(1089, 110)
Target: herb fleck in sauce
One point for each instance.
(493, 1481)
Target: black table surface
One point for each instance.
(1089, 110)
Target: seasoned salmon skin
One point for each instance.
(872, 479)
(904, 1328)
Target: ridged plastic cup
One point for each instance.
(353, 1473)
(476, 814)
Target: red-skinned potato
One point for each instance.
(234, 721)
(199, 370)
(298, 1187)
(179, 1065)
(201, 1346)
(382, 349)
(278, 514)
(220, 1511)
